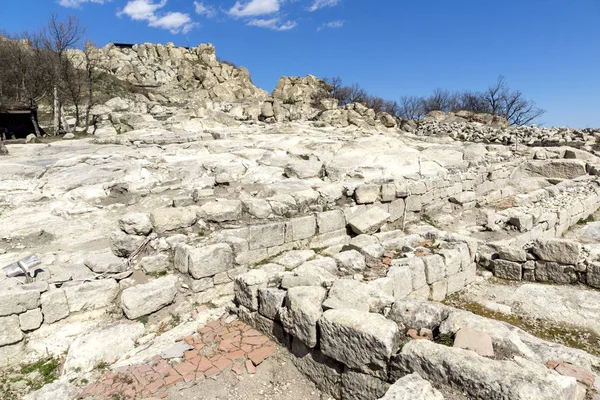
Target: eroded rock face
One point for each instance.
(412, 387)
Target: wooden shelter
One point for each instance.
(18, 120)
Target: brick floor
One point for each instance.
(219, 348)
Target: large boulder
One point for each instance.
(147, 298)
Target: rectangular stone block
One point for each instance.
(555, 273)
(301, 228)
(330, 221)
(508, 270)
(267, 235)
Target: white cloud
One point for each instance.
(323, 3)
(78, 3)
(145, 10)
(273, 24)
(254, 8)
(207, 11)
(142, 10)
(332, 24)
(175, 22)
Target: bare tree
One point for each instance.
(511, 104)
(59, 36)
(411, 107)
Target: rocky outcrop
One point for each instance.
(167, 66)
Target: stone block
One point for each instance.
(222, 210)
(18, 300)
(301, 312)
(31, 320)
(367, 194)
(412, 387)
(435, 269)
(270, 300)
(301, 228)
(210, 260)
(267, 235)
(54, 306)
(555, 273)
(562, 251)
(10, 331)
(368, 221)
(508, 270)
(147, 298)
(170, 219)
(358, 339)
(246, 288)
(439, 290)
(331, 221)
(94, 295)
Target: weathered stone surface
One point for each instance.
(10, 332)
(418, 313)
(555, 273)
(122, 244)
(510, 253)
(508, 270)
(207, 261)
(147, 298)
(367, 194)
(483, 378)
(368, 221)
(293, 259)
(358, 339)
(267, 235)
(301, 228)
(17, 301)
(350, 260)
(401, 280)
(358, 295)
(93, 295)
(222, 210)
(357, 386)
(155, 264)
(170, 219)
(324, 277)
(412, 387)
(557, 250)
(246, 288)
(479, 342)
(331, 221)
(301, 312)
(105, 262)
(270, 300)
(435, 269)
(417, 270)
(136, 224)
(54, 306)
(325, 372)
(60, 389)
(105, 345)
(31, 319)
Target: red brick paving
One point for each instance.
(219, 347)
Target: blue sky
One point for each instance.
(549, 49)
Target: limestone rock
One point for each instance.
(368, 221)
(105, 262)
(10, 332)
(105, 345)
(18, 300)
(412, 387)
(353, 294)
(31, 320)
(557, 250)
(147, 298)
(246, 288)
(484, 378)
(54, 306)
(350, 260)
(301, 311)
(222, 210)
(94, 295)
(202, 262)
(479, 342)
(358, 339)
(170, 219)
(122, 244)
(60, 389)
(136, 224)
(270, 300)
